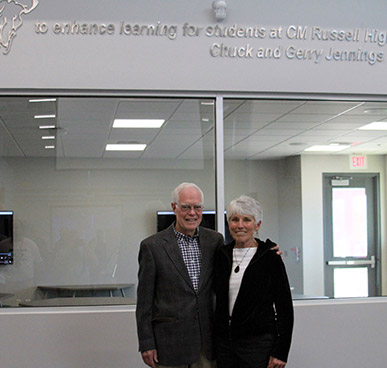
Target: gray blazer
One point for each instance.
(171, 316)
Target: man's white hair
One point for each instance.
(180, 187)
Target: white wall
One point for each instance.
(290, 220)
(339, 333)
(327, 334)
(126, 62)
(258, 179)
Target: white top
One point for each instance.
(240, 257)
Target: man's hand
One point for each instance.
(276, 363)
(277, 248)
(150, 357)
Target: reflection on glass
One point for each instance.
(349, 222)
(350, 282)
(80, 210)
(264, 157)
(85, 244)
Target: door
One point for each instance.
(351, 235)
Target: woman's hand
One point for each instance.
(276, 363)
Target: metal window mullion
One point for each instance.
(219, 165)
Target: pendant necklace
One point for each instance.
(237, 268)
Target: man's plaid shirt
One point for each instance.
(190, 250)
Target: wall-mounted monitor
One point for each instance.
(6, 237)
(166, 218)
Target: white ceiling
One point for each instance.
(254, 129)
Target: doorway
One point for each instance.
(351, 235)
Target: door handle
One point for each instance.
(354, 262)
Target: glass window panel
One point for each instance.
(80, 211)
(259, 163)
(349, 222)
(265, 142)
(350, 282)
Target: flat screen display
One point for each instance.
(166, 218)
(6, 237)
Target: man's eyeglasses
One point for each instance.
(188, 207)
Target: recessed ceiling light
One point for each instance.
(328, 148)
(43, 100)
(138, 123)
(47, 126)
(46, 137)
(376, 110)
(44, 116)
(125, 147)
(205, 120)
(49, 147)
(377, 125)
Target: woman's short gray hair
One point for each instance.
(245, 205)
(180, 187)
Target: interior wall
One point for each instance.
(329, 333)
(122, 60)
(258, 179)
(290, 220)
(312, 169)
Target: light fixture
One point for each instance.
(207, 103)
(47, 127)
(43, 100)
(125, 147)
(334, 147)
(45, 116)
(377, 125)
(375, 110)
(138, 123)
(47, 137)
(49, 147)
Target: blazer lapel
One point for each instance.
(207, 260)
(174, 253)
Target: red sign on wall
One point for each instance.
(358, 162)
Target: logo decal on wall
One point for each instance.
(11, 19)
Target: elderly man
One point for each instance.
(175, 292)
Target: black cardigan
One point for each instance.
(264, 302)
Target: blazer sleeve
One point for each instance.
(145, 296)
(284, 310)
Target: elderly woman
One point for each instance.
(254, 310)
